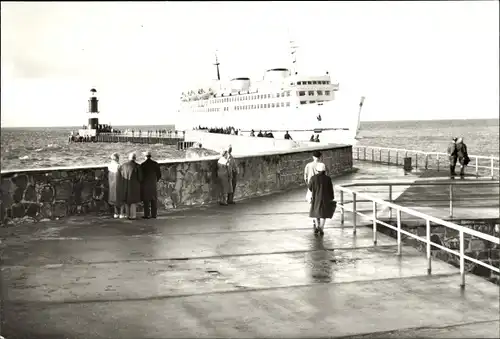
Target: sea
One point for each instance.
(48, 147)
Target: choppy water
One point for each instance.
(48, 147)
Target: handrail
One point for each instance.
(399, 209)
(477, 161)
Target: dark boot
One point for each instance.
(462, 174)
(452, 171)
(230, 198)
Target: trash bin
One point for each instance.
(407, 164)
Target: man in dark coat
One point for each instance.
(452, 154)
(463, 157)
(233, 168)
(132, 177)
(322, 198)
(288, 136)
(151, 174)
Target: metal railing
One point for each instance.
(481, 165)
(144, 134)
(376, 202)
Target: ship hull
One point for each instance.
(333, 121)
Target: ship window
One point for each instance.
(303, 102)
(268, 105)
(309, 82)
(328, 82)
(287, 93)
(314, 82)
(312, 102)
(288, 104)
(272, 105)
(261, 105)
(327, 92)
(282, 104)
(291, 84)
(320, 92)
(311, 92)
(277, 95)
(302, 93)
(299, 82)
(323, 82)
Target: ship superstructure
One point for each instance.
(283, 100)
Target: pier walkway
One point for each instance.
(250, 270)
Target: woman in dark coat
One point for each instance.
(322, 198)
(115, 197)
(132, 177)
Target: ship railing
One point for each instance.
(479, 165)
(375, 221)
(144, 134)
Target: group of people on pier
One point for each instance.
(131, 183)
(220, 130)
(457, 152)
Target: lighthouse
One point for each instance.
(93, 111)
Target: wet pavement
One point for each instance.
(254, 269)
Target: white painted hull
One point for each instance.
(338, 124)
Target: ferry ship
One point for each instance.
(305, 106)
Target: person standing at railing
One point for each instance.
(322, 203)
(463, 156)
(452, 154)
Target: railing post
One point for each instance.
(342, 209)
(380, 155)
(397, 154)
(426, 160)
(354, 215)
(357, 153)
(388, 157)
(398, 215)
(390, 200)
(477, 168)
(462, 260)
(437, 159)
(364, 153)
(451, 201)
(373, 155)
(492, 168)
(374, 223)
(428, 247)
(416, 160)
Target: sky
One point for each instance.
(413, 60)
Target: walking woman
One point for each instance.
(224, 175)
(322, 204)
(115, 197)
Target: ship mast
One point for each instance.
(217, 65)
(293, 51)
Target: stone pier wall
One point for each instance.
(474, 247)
(35, 195)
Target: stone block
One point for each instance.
(59, 210)
(31, 209)
(18, 194)
(46, 194)
(20, 180)
(476, 245)
(46, 211)
(17, 210)
(30, 194)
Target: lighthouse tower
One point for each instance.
(93, 111)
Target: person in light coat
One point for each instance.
(452, 154)
(115, 181)
(309, 171)
(322, 204)
(132, 177)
